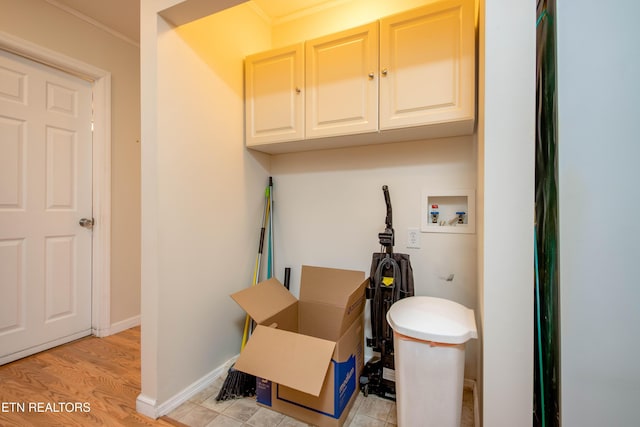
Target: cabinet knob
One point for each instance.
(371, 76)
(297, 90)
(385, 71)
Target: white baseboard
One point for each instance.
(146, 406)
(120, 326)
(150, 407)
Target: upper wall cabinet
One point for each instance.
(342, 86)
(427, 67)
(274, 101)
(406, 77)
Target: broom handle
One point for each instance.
(270, 260)
(256, 268)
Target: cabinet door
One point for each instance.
(427, 66)
(274, 98)
(342, 83)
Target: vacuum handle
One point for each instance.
(387, 236)
(387, 200)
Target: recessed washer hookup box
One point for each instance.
(307, 354)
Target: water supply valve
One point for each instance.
(434, 213)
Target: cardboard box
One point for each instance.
(307, 354)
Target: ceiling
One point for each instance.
(123, 16)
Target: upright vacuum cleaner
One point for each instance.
(391, 279)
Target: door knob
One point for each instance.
(87, 223)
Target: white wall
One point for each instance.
(338, 16)
(505, 239)
(41, 23)
(202, 198)
(598, 98)
(329, 208)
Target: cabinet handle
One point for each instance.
(371, 75)
(384, 71)
(297, 90)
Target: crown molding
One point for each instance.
(93, 22)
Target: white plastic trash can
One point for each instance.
(428, 338)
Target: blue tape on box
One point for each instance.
(345, 384)
(263, 391)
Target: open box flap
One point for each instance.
(329, 285)
(293, 360)
(264, 300)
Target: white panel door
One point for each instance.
(45, 190)
(342, 85)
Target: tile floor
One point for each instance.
(204, 411)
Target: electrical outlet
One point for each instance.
(413, 238)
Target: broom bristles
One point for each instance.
(237, 384)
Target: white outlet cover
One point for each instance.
(413, 238)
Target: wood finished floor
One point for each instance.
(99, 374)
